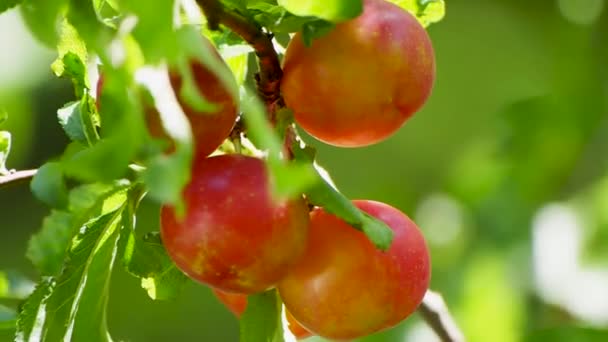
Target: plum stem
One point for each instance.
(269, 77)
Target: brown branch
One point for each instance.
(17, 177)
(269, 77)
(436, 314)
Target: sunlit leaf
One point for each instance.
(323, 194)
(147, 259)
(426, 11)
(5, 148)
(47, 248)
(75, 309)
(331, 10)
(30, 319)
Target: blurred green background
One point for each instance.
(505, 170)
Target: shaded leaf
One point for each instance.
(8, 4)
(261, 321)
(70, 120)
(147, 259)
(154, 31)
(46, 248)
(49, 186)
(567, 334)
(315, 29)
(42, 18)
(7, 318)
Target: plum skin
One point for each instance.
(359, 84)
(344, 288)
(234, 236)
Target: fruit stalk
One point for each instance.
(269, 77)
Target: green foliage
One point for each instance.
(567, 334)
(261, 321)
(146, 258)
(5, 148)
(8, 4)
(47, 248)
(289, 179)
(42, 18)
(49, 186)
(331, 10)
(426, 11)
(325, 195)
(73, 303)
(96, 185)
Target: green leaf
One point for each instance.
(49, 186)
(322, 194)
(426, 11)
(315, 29)
(72, 58)
(46, 249)
(331, 10)
(70, 65)
(5, 148)
(31, 314)
(7, 318)
(288, 179)
(75, 309)
(147, 259)
(8, 4)
(567, 334)
(237, 61)
(110, 157)
(42, 18)
(3, 116)
(13, 285)
(154, 31)
(261, 321)
(71, 122)
(82, 16)
(166, 176)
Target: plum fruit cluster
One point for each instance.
(352, 87)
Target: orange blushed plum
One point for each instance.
(234, 236)
(358, 84)
(345, 288)
(208, 129)
(237, 303)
